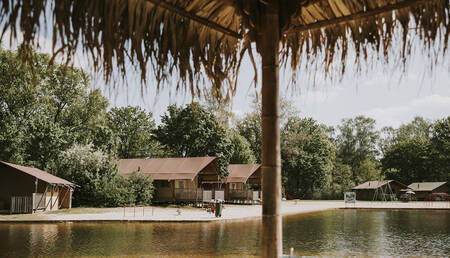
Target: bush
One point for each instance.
(99, 182)
(141, 188)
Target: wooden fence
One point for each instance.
(182, 194)
(237, 194)
(21, 204)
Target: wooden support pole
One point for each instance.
(57, 197)
(64, 197)
(271, 158)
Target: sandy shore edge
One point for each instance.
(190, 214)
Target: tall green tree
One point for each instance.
(44, 109)
(307, 158)
(242, 152)
(440, 149)
(132, 128)
(192, 131)
(249, 126)
(357, 141)
(419, 152)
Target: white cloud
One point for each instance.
(432, 107)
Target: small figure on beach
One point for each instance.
(178, 212)
(218, 208)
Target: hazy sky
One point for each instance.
(390, 97)
(383, 93)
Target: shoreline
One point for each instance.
(231, 212)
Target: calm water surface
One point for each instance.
(333, 233)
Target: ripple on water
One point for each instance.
(327, 233)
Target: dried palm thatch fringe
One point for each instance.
(194, 38)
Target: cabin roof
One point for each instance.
(425, 186)
(375, 184)
(39, 174)
(168, 168)
(239, 173)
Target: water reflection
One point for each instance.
(338, 232)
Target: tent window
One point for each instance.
(181, 184)
(233, 186)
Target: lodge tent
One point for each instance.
(238, 180)
(378, 190)
(176, 179)
(423, 189)
(27, 189)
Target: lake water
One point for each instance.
(333, 233)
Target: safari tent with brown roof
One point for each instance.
(27, 189)
(238, 180)
(423, 189)
(207, 39)
(374, 190)
(176, 179)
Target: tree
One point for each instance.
(250, 125)
(341, 181)
(408, 160)
(192, 131)
(242, 153)
(418, 152)
(142, 188)
(356, 142)
(250, 128)
(45, 109)
(307, 158)
(440, 149)
(132, 128)
(368, 171)
(96, 174)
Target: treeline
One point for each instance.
(50, 119)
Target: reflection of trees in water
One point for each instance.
(333, 233)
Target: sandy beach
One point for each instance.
(190, 214)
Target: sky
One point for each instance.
(382, 92)
(390, 97)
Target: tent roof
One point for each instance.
(167, 168)
(39, 174)
(239, 173)
(375, 184)
(425, 186)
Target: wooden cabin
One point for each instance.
(177, 180)
(387, 190)
(423, 189)
(26, 190)
(237, 184)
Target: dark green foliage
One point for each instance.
(142, 188)
(250, 128)
(242, 153)
(45, 109)
(307, 158)
(357, 141)
(192, 131)
(419, 152)
(132, 128)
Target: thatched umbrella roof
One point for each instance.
(194, 38)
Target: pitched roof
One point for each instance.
(375, 184)
(239, 173)
(425, 186)
(39, 174)
(166, 168)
